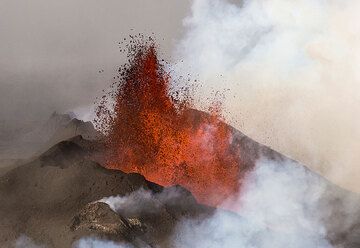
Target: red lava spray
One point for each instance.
(154, 133)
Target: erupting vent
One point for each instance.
(153, 133)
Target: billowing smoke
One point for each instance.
(290, 67)
(278, 207)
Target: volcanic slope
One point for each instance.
(52, 199)
(24, 145)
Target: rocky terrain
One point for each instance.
(51, 199)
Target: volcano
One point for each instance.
(156, 162)
(54, 199)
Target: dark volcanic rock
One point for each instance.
(62, 154)
(41, 199)
(100, 217)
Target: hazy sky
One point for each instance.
(51, 51)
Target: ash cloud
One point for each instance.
(289, 70)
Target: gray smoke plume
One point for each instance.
(288, 69)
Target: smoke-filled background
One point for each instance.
(291, 73)
(288, 68)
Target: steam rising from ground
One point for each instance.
(25, 242)
(278, 208)
(290, 67)
(98, 243)
(139, 201)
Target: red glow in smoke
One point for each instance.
(161, 137)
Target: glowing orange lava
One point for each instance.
(153, 133)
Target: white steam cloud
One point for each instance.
(141, 201)
(278, 208)
(291, 70)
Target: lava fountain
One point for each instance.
(159, 135)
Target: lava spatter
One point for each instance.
(152, 132)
